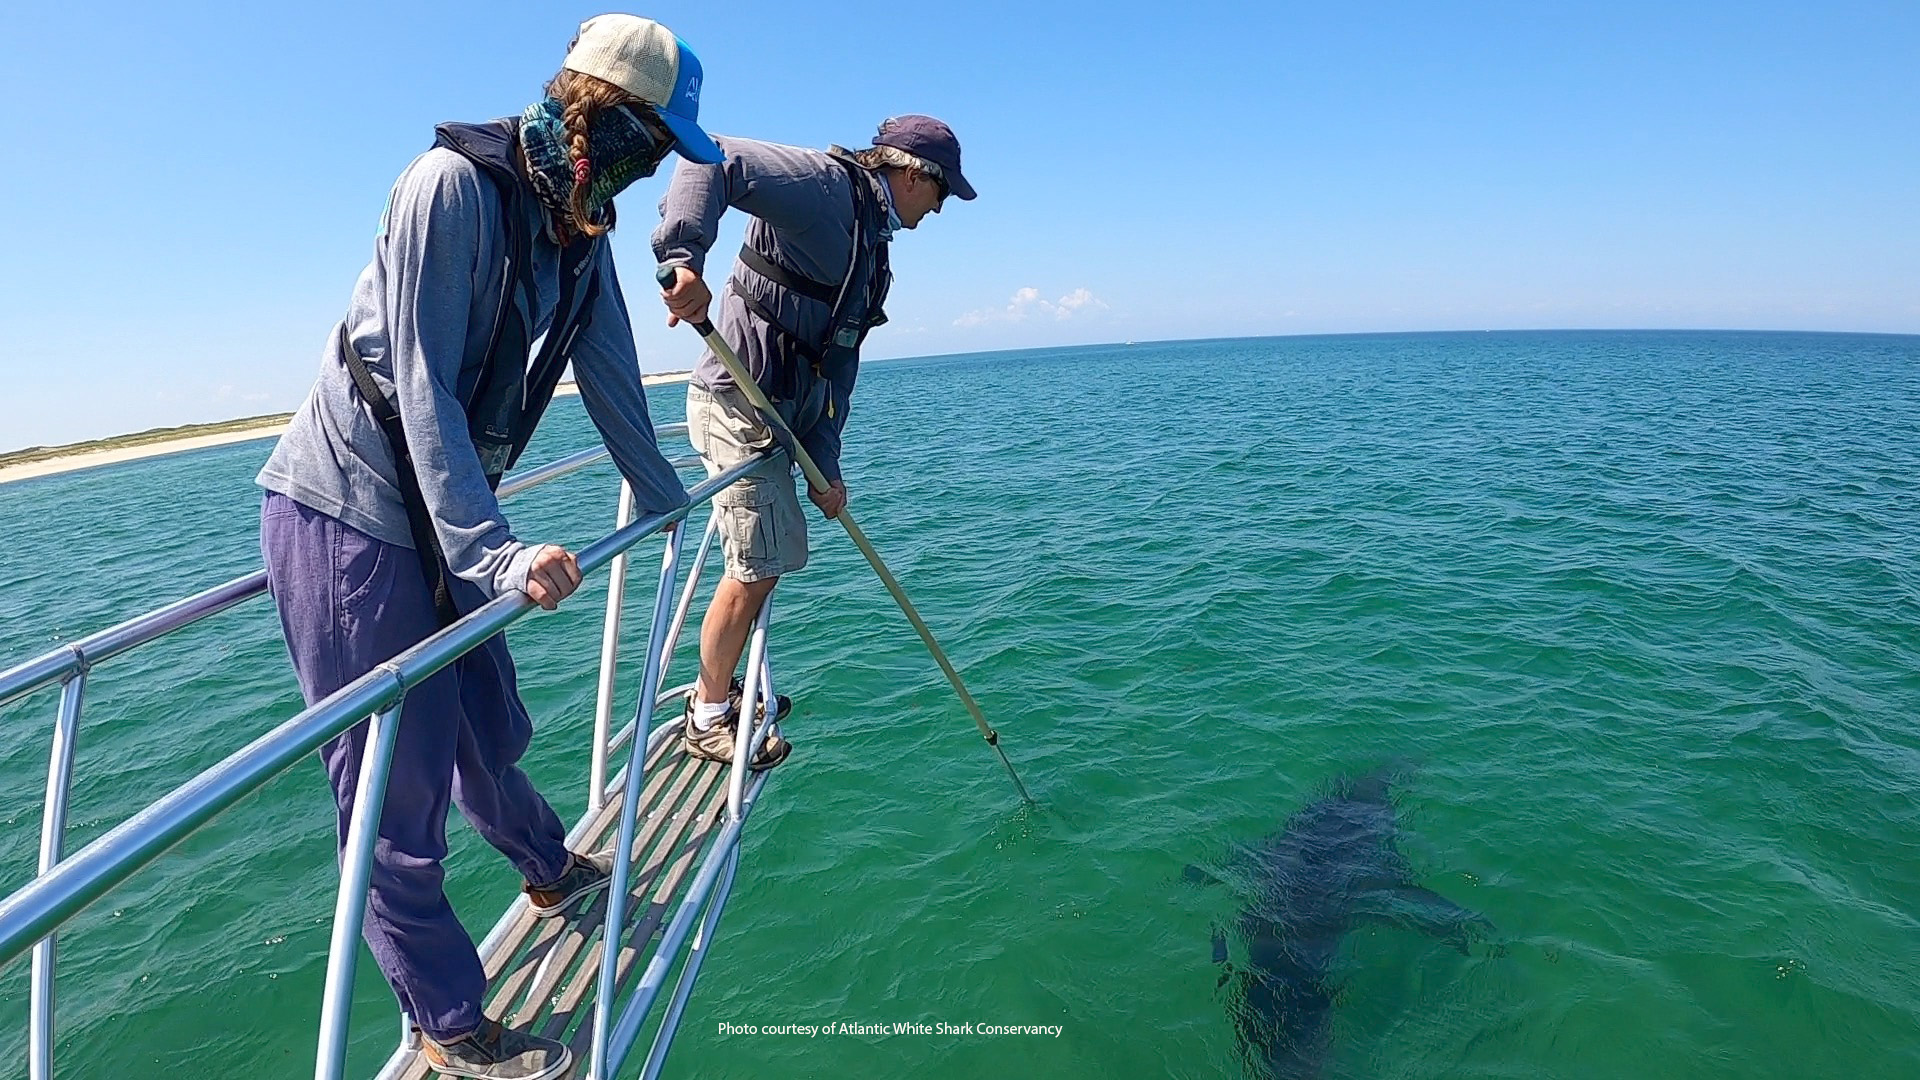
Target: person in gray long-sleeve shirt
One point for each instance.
(380, 523)
(810, 282)
(421, 315)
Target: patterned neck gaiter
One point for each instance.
(623, 150)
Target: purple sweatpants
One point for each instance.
(349, 602)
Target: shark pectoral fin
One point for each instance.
(1440, 918)
(1220, 957)
(1199, 875)
(1432, 904)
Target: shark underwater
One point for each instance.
(1333, 867)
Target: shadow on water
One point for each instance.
(1333, 868)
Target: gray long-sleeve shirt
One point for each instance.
(421, 316)
(803, 217)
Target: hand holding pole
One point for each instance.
(818, 480)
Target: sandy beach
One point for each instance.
(115, 455)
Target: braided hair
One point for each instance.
(582, 96)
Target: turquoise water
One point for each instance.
(1643, 609)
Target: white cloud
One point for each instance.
(1077, 299)
(1027, 302)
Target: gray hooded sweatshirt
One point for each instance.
(421, 316)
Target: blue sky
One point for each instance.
(190, 190)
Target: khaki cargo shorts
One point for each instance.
(761, 525)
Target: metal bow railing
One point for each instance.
(31, 916)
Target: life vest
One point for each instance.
(509, 394)
(857, 301)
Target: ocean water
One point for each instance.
(1639, 614)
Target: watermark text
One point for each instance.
(970, 1029)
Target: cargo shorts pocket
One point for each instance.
(748, 516)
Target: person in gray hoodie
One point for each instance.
(380, 525)
(810, 282)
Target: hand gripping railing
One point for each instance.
(63, 888)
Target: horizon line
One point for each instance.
(55, 449)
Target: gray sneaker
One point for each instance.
(493, 1051)
(586, 874)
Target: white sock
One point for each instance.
(706, 714)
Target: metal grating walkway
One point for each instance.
(542, 975)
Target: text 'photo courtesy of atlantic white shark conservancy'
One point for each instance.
(1334, 867)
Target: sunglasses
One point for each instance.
(663, 139)
(941, 183)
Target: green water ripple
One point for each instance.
(1640, 612)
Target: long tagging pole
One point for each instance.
(818, 481)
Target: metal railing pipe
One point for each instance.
(609, 658)
(22, 679)
(745, 744)
(620, 1040)
(630, 798)
(350, 903)
(686, 595)
(540, 474)
(75, 656)
(768, 696)
(53, 837)
(61, 893)
(696, 954)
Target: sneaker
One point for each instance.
(585, 874)
(716, 743)
(493, 1051)
(783, 703)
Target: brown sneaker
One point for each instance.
(586, 874)
(493, 1051)
(716, 743)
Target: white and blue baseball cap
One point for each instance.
(644, 58)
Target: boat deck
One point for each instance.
(541, 973)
